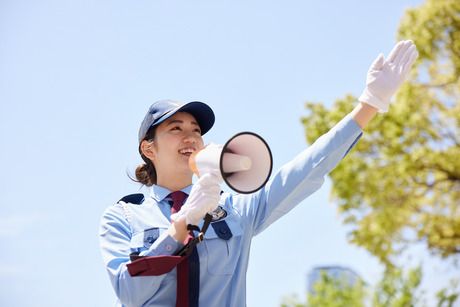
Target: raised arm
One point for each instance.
(305, 173)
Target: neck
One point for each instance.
(174, 182)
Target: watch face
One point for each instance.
(218, 214)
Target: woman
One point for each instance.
(142, 242)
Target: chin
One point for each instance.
(183, 167)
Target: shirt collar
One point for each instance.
(159, 193)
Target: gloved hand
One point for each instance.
(386, 76)
(203, 198)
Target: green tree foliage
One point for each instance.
(331, 292)
(336, 292)
(395, 289)
(402, 183)
(447, 297)
(399, 290)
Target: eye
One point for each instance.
(177, 128)
(198, 130)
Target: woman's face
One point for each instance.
(175, 140)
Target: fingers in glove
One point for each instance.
(211, 191)
(378, 62)
(214, 190)
(405, 58)
(399, 56)
(394, 51)
(411, 59)
(209, 179)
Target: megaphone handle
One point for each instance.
(207, 222)
(187, 249)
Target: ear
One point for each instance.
(148, 150)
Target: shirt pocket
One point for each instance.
(142, 240)
(222, 247)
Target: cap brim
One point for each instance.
(201, 111)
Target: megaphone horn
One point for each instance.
(244, 162)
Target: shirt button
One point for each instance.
(168, 248)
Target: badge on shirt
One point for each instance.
(218, 214)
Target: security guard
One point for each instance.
(142, 241)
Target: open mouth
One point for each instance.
(187, 151)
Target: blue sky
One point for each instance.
(76, 78)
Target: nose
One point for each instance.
(191, 138)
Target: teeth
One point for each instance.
(186, 150)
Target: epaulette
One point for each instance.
(136, 199)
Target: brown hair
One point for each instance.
(146, 173)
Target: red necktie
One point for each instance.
(188, 271)
(178, 198)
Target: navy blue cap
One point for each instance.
(163, 109)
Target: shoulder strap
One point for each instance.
(136, 199)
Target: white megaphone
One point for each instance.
(244, 162)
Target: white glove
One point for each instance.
(203, 198)
(386, 76)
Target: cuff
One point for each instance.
(165, 245)
(367, 97)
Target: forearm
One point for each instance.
(178, 230)
(300, 177)
(363, 113)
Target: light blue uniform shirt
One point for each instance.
(127, 228)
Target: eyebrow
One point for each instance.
(178, 121)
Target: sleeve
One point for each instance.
(115, 238)
(299, 178)
(165, 245)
